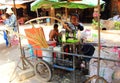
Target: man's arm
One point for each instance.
(80, 27)
(67, 27)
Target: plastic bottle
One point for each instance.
(78, 35)
(63, 35)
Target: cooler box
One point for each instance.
(38, 52)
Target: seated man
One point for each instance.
(74, 23)
(53, 35)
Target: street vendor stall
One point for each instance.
(48, 68)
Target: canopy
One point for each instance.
(18, 3)
(91, 3)
(44, 4)
(2, 7)
(73, 4)
(57, 4)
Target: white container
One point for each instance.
(47, 55)
(78, 35)
(57, 49)
(63, 35)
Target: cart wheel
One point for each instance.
(100, 80)
(43, 70)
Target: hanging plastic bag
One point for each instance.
(14, 40)
(87, 35)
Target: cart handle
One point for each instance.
(44, 17)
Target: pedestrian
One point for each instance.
(5, 18)
(12, 20)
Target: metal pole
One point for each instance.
(19, 37)
(98, 69)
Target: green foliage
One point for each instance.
(117, 25)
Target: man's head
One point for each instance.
(55, 26)
(74, 18)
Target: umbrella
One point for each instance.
(2, 7)
(43, 4)
(18, 3)
(57, 4)
(72, 4)
(91, 3)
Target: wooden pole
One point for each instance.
(66, 13)
(52, 14)
(98, 69)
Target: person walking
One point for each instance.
(12, 20)
(5, 32)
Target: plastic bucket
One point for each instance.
(51, 43)
(47, 55)
(57, 49)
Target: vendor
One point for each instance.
(74, 27)
(74, 23)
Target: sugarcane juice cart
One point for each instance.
(63, 61)
(48, 60)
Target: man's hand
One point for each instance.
(66, 27)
